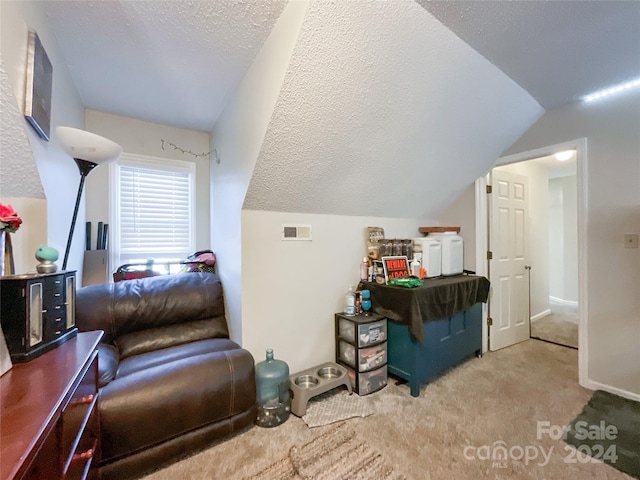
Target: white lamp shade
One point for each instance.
(87, 146)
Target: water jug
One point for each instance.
(272, 391)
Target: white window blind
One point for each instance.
(154, 210)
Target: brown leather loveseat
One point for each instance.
(171, 380)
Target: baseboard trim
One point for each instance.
(593, 385)
(561, 301)
(540, 315)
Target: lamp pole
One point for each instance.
(85, 167)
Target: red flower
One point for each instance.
(9, 219)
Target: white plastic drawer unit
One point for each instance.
(368, 382)
(362, 334)
(363, 359)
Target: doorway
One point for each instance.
(544, 305)
(550, 266)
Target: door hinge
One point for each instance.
(489, 189)
(489, 321)
(489, 255)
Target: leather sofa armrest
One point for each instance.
(108, 361)
(147, 407)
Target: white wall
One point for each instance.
(144, 138)
(537, 232)
(292, 289)
(57, 171)
(611, 127)
(563, 238)
(462, 213)
(556, 239)
(238, 136)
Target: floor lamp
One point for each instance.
(89, 151)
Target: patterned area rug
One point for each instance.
(334, 406)
(335, 455)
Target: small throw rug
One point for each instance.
(334, 406)
(608, 429)
(335, 455)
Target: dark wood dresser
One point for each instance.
(49, 426)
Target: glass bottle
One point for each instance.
(364, 269)
(407, 248)
(397, 247)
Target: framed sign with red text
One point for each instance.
(395, 267)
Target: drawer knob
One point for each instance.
(83, 400)
(86, 455)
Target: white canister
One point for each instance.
(431, 256)
(452, 252)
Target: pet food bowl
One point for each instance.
(329, 372)
(307, 381)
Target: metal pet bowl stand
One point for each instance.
(314, 381)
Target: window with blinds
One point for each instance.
(154, 210)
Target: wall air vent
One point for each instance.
(296, 232)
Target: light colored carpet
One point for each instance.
(337, 454)
(560, 327)
(555, 329)
(443, 434)
(334, 406)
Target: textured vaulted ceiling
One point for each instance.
(166, 61)
(388, 107)
(559, 51)
(177, 62)
(385, 112)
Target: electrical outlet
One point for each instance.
(631, 240)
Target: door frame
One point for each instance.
(482, 232)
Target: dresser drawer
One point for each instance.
(54, 291)
(86, 452)
(79, 425)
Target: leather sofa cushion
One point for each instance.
(108, 359)
(148, 407)
(143, 361)
(143, 341)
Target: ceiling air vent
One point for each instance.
(296, 232)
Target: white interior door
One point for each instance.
(509, 300)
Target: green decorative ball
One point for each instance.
(45, 253)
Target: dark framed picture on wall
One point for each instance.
(37, 99)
